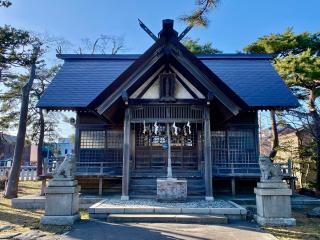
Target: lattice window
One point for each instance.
(100, 152)
(114, 139)
(114, 146)
(150, 139)
(93, 139)
(219, 148)
(175, 112)
(151, 152)
(241, 146)
(233, 147)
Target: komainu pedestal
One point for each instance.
(62, 197)
(273, 197)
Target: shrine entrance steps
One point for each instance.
(167, 218)
(150, 210)
(143, 183)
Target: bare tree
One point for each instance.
(102, 45)
(275, 135)
(41, 126)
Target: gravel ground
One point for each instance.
(145, 203)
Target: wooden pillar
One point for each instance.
(77, 139)
(207, 155)
(126, 155)
(233, 186)
(100, 185)
(169, 168)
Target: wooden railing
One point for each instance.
(98, 168)
(247, 169)
(115, 169)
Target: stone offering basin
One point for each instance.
(171, 190)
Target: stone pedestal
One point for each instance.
(273, 204)
(171, 190)
(62, 202)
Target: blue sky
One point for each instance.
(233, 25)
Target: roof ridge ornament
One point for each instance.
(147, 30)
(184, 32)
(167, 28)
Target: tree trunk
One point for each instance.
(318, 165)
(13, 180)
(275, 137)
(316, 121)
(40, 143)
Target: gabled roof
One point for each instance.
(80, 80)
(248, 80)
(83, 77)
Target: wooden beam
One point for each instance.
(126, 155)
(142, 73)
(191, 69)
(148, 86)
(207, 155)
(186, 87)
(157, 102)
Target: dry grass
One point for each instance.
(25, 220)
(306, 229)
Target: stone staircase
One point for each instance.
(167, 218)
(143, 184)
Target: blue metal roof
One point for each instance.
(83, 77)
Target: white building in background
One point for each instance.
(65, 146)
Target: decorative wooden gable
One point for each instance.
(167, 86)
(166, 72)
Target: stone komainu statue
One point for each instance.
(64, 170)
(269, 171)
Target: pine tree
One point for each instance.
(297, 61)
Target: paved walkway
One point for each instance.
(96, 230)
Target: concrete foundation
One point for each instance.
(59, 220)
(171, 189)
(62, 202)
(275, 221)
(273, 204)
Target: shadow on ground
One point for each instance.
(96, 230)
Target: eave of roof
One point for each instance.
(136, 56)
(86, 62)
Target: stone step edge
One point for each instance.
(173, 218)
(207, 211)
(99, 208)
